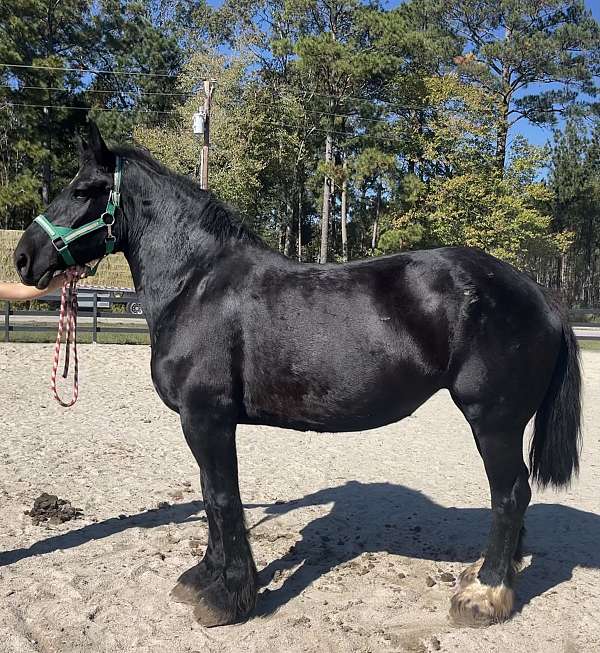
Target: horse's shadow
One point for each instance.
(378, 517)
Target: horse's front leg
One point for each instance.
(222, 587)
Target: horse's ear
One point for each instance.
(83, 148)
(102, 155)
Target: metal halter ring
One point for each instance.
(108, 219)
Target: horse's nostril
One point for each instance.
(22, 262)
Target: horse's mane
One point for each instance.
(217, 218)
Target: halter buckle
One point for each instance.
(59, 244)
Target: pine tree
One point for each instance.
(538, 57)
(40, 38)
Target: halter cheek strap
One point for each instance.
(62, 237)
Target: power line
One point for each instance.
(187, 94)
(173, 76)
(90, 90)
(64, 106)
(92, 71)
(275, 124)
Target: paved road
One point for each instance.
(588, 333)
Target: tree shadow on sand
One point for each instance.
(378, 517)
(176, 513)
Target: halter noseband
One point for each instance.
(62, 237)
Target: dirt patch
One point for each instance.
(49, 508)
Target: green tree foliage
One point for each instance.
(468, 202)
(45, 91)
(243, 140)
(575, 183)
(134, 36)
(46, 34)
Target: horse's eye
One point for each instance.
(81, 193)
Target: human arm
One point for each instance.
(21, 292)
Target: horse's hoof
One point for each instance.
(476, 604)
(214, 608)
(214, 604)
(191, 584)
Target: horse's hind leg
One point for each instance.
(484, 591)
(222, 587)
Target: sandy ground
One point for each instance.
(351, 532)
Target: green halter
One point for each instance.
(62, 237)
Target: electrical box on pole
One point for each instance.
(198, 123)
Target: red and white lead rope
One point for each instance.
(68, 311)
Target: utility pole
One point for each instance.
(201, 127)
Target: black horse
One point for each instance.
(241, 334)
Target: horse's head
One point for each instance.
(84, 200)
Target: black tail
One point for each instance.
(556, 443)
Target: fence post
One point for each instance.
(95, 319)
(6, 321)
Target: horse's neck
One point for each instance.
(166, 247)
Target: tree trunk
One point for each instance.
(281, 238)
(326, 202)
(502, 134)
(287, 246)
(300, 208)
(376, 221)
(332, 213)
(343, 214)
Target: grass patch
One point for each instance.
(589, 345)
(82, 338)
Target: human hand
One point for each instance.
(56, 282)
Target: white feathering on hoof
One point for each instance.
(476, 604)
